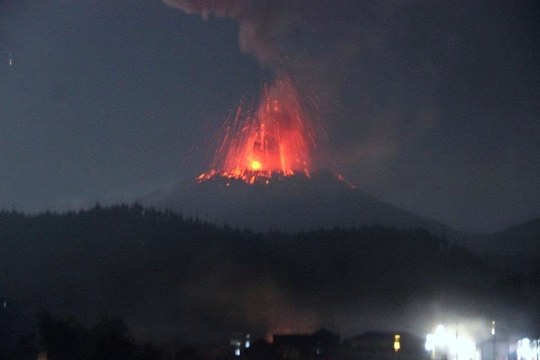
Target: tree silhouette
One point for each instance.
(107, 340)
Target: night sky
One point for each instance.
(433, 106)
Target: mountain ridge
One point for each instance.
(323, 200)
(293, 204)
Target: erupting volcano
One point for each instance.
(260, 176)
(274, 140)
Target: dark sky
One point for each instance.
(433, 106)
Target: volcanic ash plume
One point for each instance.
(275, 139)
(256, 26)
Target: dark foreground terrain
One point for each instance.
(181, 281)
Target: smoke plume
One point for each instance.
(317, 42)
(282, 34)
(256, 30)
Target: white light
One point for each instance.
(440, 336)
(465, 348)
(429, 342)
(524, 349)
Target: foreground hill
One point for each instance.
(168, 276)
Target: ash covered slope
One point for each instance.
(294, 203)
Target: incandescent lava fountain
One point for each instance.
(274, 140)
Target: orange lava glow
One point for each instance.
(276, 139)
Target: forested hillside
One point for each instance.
(168, 276)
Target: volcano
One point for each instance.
(260, 177)
(285, 203)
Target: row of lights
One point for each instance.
(238, 344)
(528, 350)
(444, 342)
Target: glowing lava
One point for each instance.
(274, 140)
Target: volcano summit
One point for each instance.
(274, 139)
(285, 203)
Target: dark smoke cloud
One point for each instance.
(313, 41)
(281, 33)
(256, 29)
(318, 42)
(334, 51)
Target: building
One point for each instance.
(321, 345)
(384, 346)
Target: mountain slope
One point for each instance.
(523, 238)
(322, 201)
(295, 203)
(516, 244)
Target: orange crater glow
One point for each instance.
(276, 139)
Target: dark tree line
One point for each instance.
(109, 339)
(134, 240)
(129, 253)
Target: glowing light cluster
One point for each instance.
(276, 139)
(447, 343)
(397, 342)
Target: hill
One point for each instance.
(169, 276)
